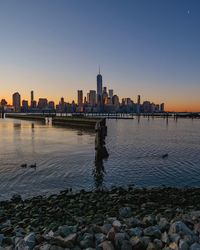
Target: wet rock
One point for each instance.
(178, 227)
(163, 224)
(111, 234)
(135, 231)
(125, 212)
(126, 245)
(195, 246)
(107, 245)
(153, 246)
(153, 232)
(106, 228)
(30, 240)
(137, 243)
(183, 245)
(165, 238)
(174, 238)
(65, 230)
(149, 220)
(173, 246)
(117, 225)
(100, 238)
(132, 222)
(119, 238)
(1, 239)
(16, 198)
(87, 241)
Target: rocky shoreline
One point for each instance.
(121, 218)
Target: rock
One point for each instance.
(117, 225)
(137, 243)
(145, 240)
(174, 238)
(111, 234)
(195, 246)
(183, 245)
(100, 237)
(106, 228)
(66, 242)
(65, 230)
(163, 224)
(125, 212)
(173, 246)
(158, 243)
(149, 220)
(153, 232)
(165, 238)
(87, 241)
(126, 245)
(45, 247)
(135, 231)
(30, 240)
(107, 245)
(132, 222)
(153, 246)
(178, 227)
(16, 198)
(1, 239)
(119, 238)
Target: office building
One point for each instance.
(17, 102)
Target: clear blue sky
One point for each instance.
(147, 47)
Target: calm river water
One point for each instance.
(65, 157)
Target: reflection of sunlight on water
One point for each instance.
(66, 157)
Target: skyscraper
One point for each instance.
(80, 98)
(138, 104)
(110, 91)
(99, 88)
(17, 102)
(32, 96)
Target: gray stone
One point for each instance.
(111, 234)
(178, 227)
(165, 238)
(195, 246)
(65, 230)
(163, 224)
(117, 225)
(100, 238)
(135, 231)
(152, 231)
(119, 238)
(126, 245)
(149, 220)
(45, 247)
(174, 238)
(107, 245)
(132, 222)
(30, 240)
(125, 212)
(1, 239)
(153, 246)
(137, 243)
(173, 246)
(183, 245)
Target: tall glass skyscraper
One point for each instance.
(99, 88)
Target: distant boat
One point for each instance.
(23, 165)
(165, 156)
(33, 165)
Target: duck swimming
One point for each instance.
(164, 156)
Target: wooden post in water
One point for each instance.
(101, 132)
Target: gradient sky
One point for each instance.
(146, 47)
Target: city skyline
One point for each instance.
(143, 47)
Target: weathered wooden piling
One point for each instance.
(101, 133)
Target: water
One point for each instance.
(66, 157)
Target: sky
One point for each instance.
(146, 47)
